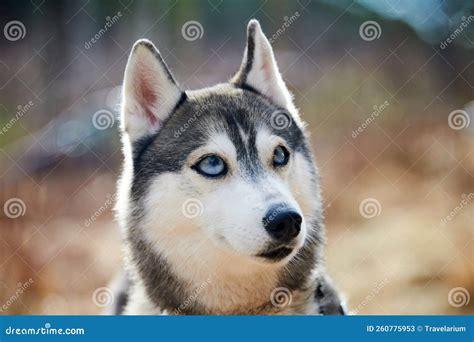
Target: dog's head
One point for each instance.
(227, 166)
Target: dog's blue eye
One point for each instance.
(280, 156)
(211, 166)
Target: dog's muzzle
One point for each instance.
(283, 224)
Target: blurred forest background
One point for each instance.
(385, 86)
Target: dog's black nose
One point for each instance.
(282, 224)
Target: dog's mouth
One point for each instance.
(276, 254)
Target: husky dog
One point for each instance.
(219, 199)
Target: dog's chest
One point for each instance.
(259, 294)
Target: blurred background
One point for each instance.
(385, 86)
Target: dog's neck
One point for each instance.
(181, 276)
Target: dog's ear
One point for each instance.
(259, 69)
(149, 92)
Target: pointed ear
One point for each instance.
(149, 93)
(259, 69)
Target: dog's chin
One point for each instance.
(276, 255)
(279, 254)
(269, 256)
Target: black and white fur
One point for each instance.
(212, 263)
